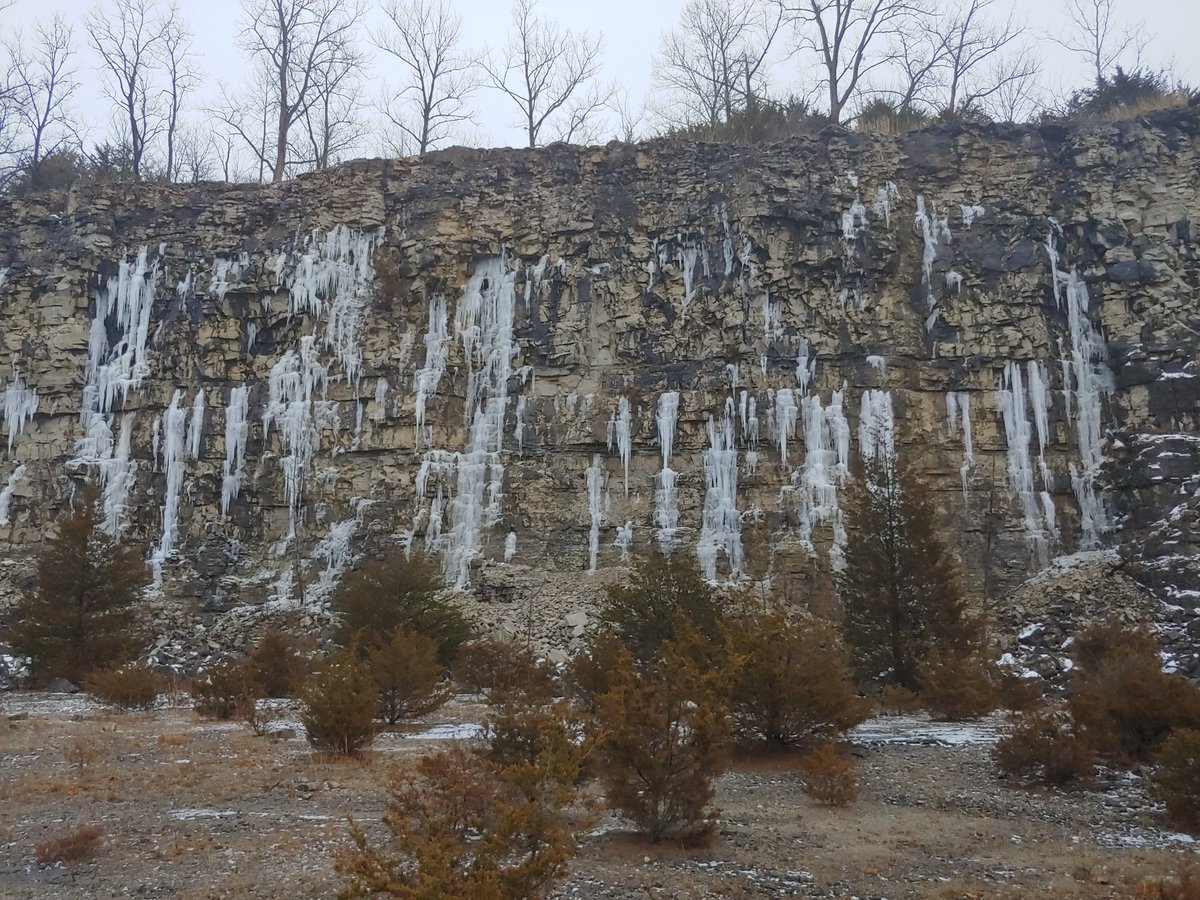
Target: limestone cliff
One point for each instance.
(557, 357)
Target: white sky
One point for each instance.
(631, 31)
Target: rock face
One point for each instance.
(556, 358)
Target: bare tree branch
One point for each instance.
(425, 36)
(541, 67)
(1094, 34)
(176, 59)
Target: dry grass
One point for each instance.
(79, 845)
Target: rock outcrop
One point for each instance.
(556, 358)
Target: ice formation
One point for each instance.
(510, 547)
(1039, 524)
(379, 416)
(595, 487)
(933, 232)
(624, 540)
(196, 427)
(806, 366)
(20, 405)
(876, 425)
(826, 467)
(113, 369)
(970, 214)
(437, 341)
(721, 525)
(786, 413)
(878, 363)
(619, 436)
(237, 430)
(174, 448)
(885, 197)
(7, 493)
(335, 549)
(666, 503)
(958, 412)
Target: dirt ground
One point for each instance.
(197, 809)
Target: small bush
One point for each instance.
(396, 592)
(665, 595)
(278, 665)
(1184, 884)
(464, 827)
(78, 845)
(224, 691)
(339, 705)
(1017, 693)
(1044, 745)
(130, 687)
(1176, 779)
(829, 776)
(407, 675)
(897, 700)
(791, 686)
(664, 740)
(956, 687)
(503, 671)
(589, 673)
(1122, 700)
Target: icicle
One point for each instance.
(933, 231)
(510, 547)
(335, 549)
(853, 219)
(519, 425)
(624, 540)
(437, 340)
(6, 495)
(786, 413)
(806, 367)
(970, 214)
(876, 425)
(1039, 400)
(887, 194)
(721, 528)
(173, 456)
(1011, 400)
(195, 434)
(825, 468)
(958, 407)
(236, 433)
(619, 434)
(20, 405)
(772, 321)
(954, 281)
(595, 485)
(380, 414)
(666, 503)
(878, 363)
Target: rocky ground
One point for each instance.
(196, 809)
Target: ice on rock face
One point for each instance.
(7, 493)
(806, 365)
(174, 447)
(878, 363)
(510, 547)
(721, 525)
(876, 425)
(958, 412)
(624, 540)
(196, 427)
(854, 218)
(227, 272)
(786, 414)
(437, 348)
(772, 320)
(970, 214)
(113, 369)
(20, 406)
(237, 429)
(934, 231)
(619, 436)
(1039, 527)
(336, 551)
(594, 475)
(885, 197)
(825, 469)
(666, 502)
(379, 416)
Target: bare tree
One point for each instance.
(847, 35)
(126, 34)
(176, 59)
(714, 61)
(41, 84)
(972, 47)
(1016, 99)
(195, 154)
(541, 67)
(297, 46)
(332, 124)
(1093, 34)
(425, 36)
(630, 116)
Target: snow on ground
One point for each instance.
(922, 731)
(449, 731)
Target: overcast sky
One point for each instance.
(631, 30)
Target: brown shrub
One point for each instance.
(129, 687)
(504, 671)
(829, 776)
(1184, 884)
(1176, 779)
(897, 700)
(589, 673)
(956, 687)
(407, 675)
(339, 704)
(278, 664)
(664, 736)
(464, 827)
(224, 691)
(1016, 693)
(791, 686)
(78, 845)
(1044, 745)
(1122, 700)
